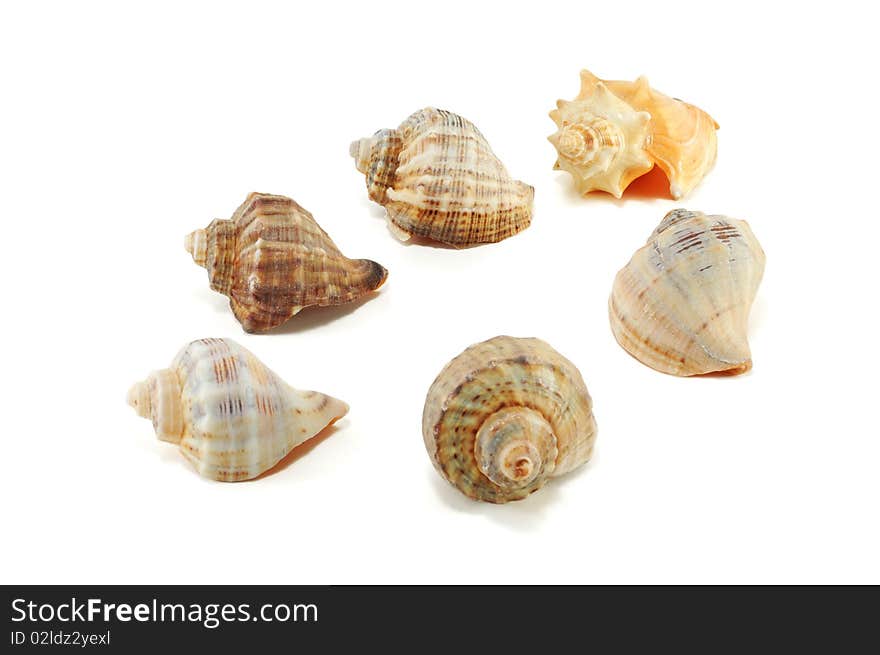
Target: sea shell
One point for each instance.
(232, 417)
(505, 416)
(601, 142)
(272, 259)
(613, 132)
(438, 179)
(681, 305)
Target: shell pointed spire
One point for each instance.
(196, 244)
(514, 447)
(360, 151)
(506, 416)
(158, 399)
(138, 398)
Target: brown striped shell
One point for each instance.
(505, 416)
(232, 417)
(272, 259)
(681, 305)
(438, 179)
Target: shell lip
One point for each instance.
(735, 368)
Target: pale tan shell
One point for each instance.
(438, 179)
(505, 416)
(681, 305)
(272, 259)
(232, 417)
(601, 142)
(679, 137)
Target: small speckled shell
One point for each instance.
(681, 305)
(438, 179)
(232, 417)
(505, 416)
(678, 137)
(272, 259)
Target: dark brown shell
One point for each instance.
(272, 259)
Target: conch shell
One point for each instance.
(438, 179)
(272, 259)
(232, 417)
(614, 132)
(682, 304)
(505, 416)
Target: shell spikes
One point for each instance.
(678, 137)
(681, 305)
(232, 417)
(601, 141)
(272, 259)
(506, 416)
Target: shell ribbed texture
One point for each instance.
(235, 418)
(681, 305)
(518, 390)
(439, 179)
(272, 259)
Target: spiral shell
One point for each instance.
(272, 259)
(438, 179)
(618, 145)
(601, 143)
(232, 417)
(681, 305)
(505, 416)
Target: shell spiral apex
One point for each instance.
(231, 416)
(438, 179)
(614, 132)
(505, 416)
(196, 244)
(681, 305)
(601, 143)
(272, 259)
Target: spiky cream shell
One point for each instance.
(682, 139)
(601, 141)
(507, 385)
(681, 304)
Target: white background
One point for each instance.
(124, 128)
